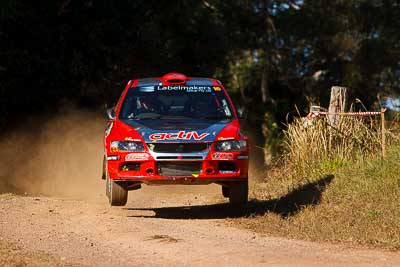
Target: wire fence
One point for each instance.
(317, 113)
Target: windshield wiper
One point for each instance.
(153, 116)
(145, 116)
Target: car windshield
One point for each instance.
(193, 102)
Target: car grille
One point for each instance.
(179, 169)
(178, 147)
(179, 157)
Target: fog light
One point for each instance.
(130, 167)
(209, 170)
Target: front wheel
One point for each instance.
(238, 192)
(117, 195)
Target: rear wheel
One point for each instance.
(238, 192)
(117, 195)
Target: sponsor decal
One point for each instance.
(217, 88)
(222, 156)
(136, 156)
(226, 172)
(181, 135)
(186, 88)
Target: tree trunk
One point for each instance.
(264, 85)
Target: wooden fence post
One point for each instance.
(337, 104)
(383, 141)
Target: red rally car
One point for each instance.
(174, 130)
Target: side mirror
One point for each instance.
(242, 113)
(110, 114)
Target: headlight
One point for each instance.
(126, 146)
(231, 145)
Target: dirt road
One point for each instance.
(160, 226)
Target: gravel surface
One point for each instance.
(160, 226)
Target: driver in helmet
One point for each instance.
(148, 104)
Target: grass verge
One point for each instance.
(350, 197)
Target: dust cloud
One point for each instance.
(62, 156)
(58, 156)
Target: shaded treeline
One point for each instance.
(87, 50)
(274, 53)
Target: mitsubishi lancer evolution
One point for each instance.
(175, 129)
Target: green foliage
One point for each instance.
(331, 165)
(87, 50)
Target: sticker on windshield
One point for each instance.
(146, 89)
(189, 89)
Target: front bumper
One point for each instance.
(150, 171)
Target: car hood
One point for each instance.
(179, 130)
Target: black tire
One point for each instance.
(238, 193)
(103, 175)
(108, 185)
(225, 191)
(117, 195)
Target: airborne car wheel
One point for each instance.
(117, 195)
(238, 192)
(225, 191)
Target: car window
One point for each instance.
(202, 102)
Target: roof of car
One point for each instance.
(175, 79)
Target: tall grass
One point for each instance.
(312, 142)
(332, 184)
